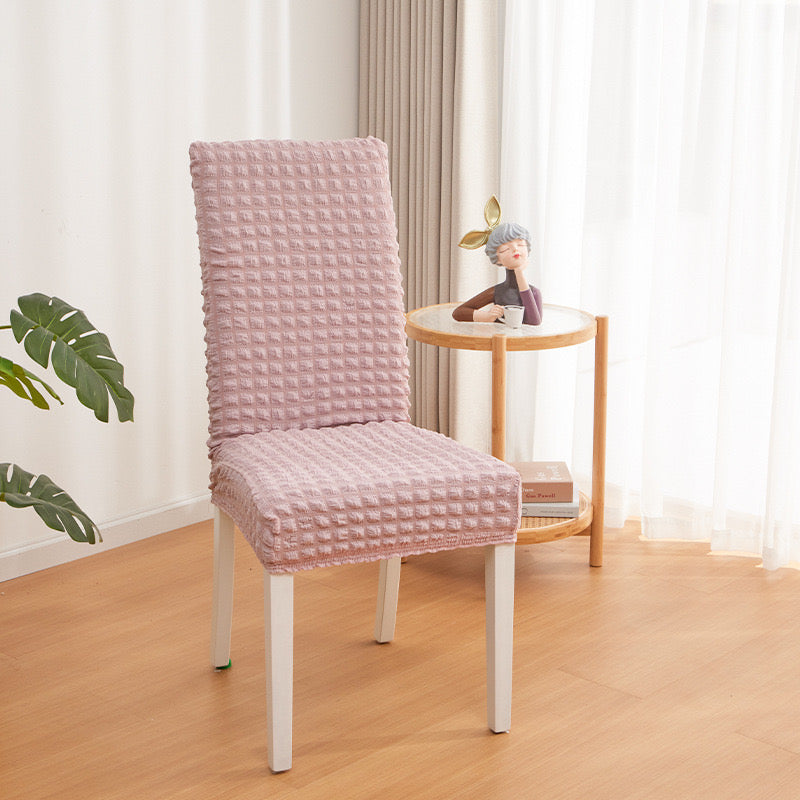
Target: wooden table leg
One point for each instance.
(599, 442)
(499, 396)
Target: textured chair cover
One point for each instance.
(312, 452)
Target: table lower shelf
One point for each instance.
(533, 530)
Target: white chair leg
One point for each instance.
(279, 631)
(222, 593)
(388, 590)
(499, 634)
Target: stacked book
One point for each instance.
(547, 489)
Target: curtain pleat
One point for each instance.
(412, 72)
(654, 149)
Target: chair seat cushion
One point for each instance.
(315, 497)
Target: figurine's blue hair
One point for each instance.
(505, 232)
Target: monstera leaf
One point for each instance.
(82, 357)
(20, 381)
(21, 489)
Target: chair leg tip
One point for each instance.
(224, 666)
(279, 765)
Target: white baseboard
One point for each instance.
(59, 549)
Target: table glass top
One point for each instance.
(558, 323)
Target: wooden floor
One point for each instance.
(667, 673)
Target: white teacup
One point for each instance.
(512, 316)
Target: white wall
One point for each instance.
(100, 101)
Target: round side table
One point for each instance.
(561, 327)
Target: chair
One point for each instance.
(313, 456)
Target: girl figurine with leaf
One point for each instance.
(508, 245)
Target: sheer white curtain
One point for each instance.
(652, 148)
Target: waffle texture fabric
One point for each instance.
(301, 284)
(312, 451)
(318, 497)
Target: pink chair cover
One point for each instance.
(312, 452)
(301, 282)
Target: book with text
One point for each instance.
(568, 510)
(545, 481)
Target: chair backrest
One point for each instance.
(302, 292)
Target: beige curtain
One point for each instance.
(428, 72)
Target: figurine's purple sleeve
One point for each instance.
(532, 301)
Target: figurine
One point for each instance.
(508, 245)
